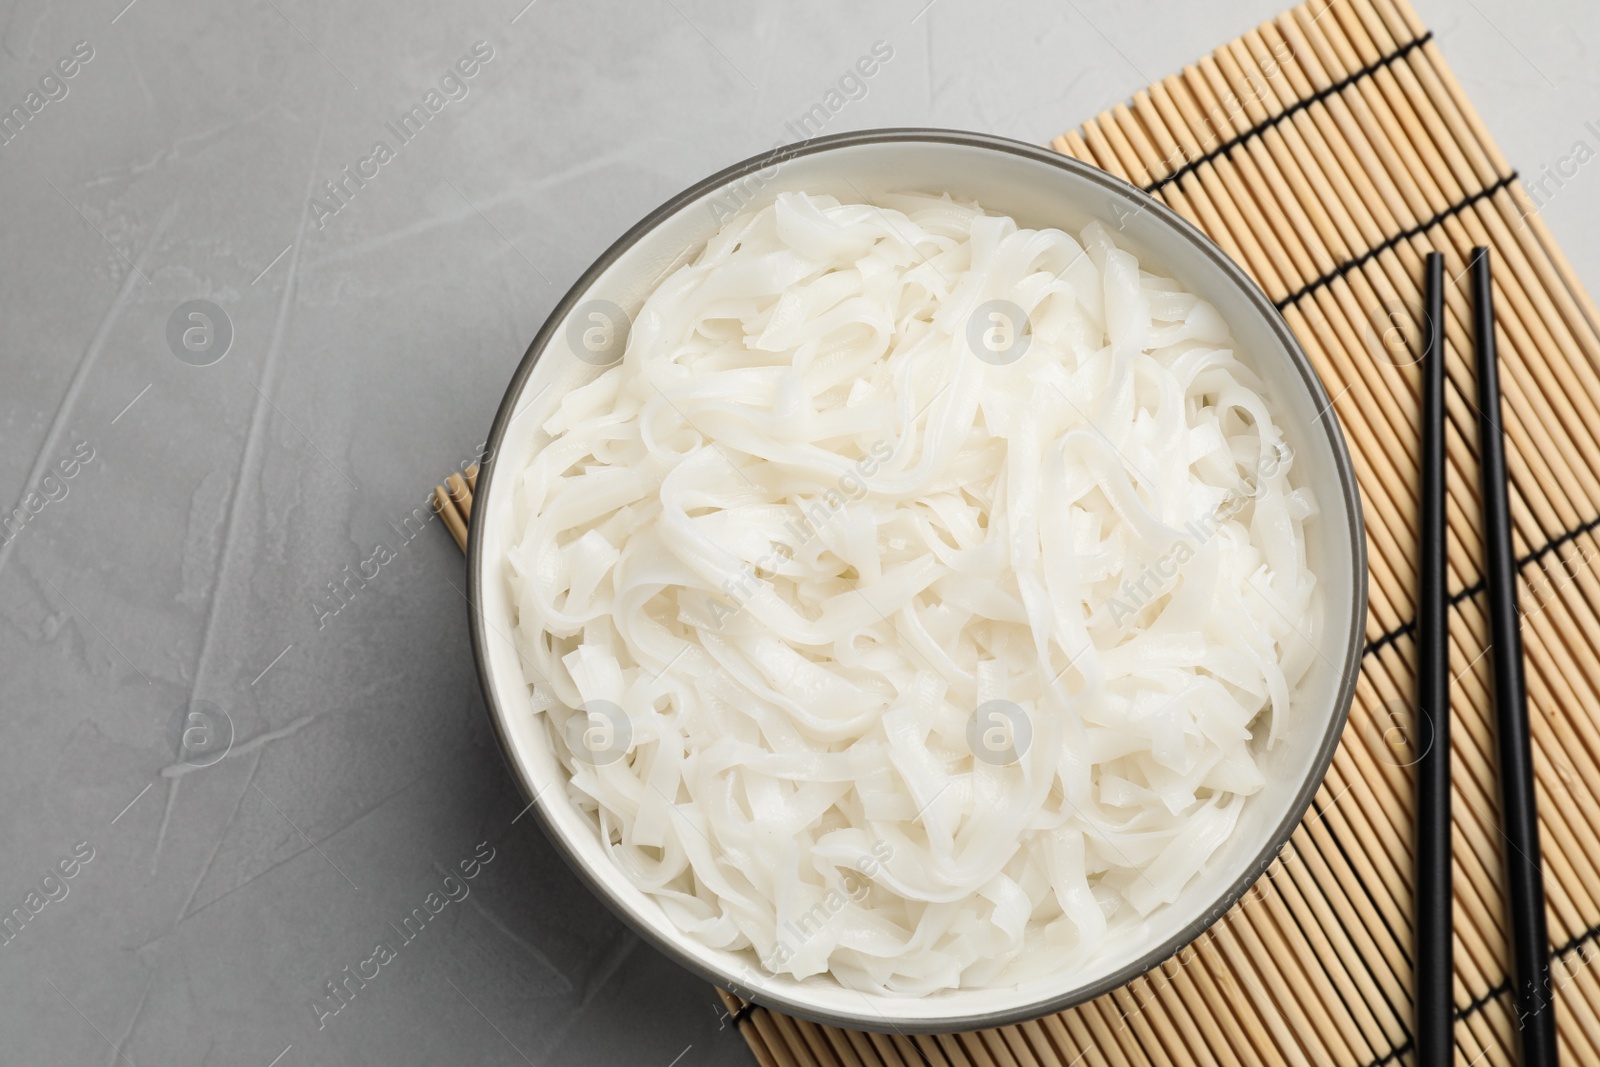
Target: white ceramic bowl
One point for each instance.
(1038, 188)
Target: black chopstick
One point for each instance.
(1435, 990)
(1530, 964)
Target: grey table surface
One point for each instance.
(172, 568)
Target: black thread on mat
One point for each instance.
(1575, 944)
(1394, 635)
(1405, 235)
(1377, 644)
(1289, 112)
(1393, 1054)
(1477, 1004)
(1494, 993)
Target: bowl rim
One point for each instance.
(1354, 640)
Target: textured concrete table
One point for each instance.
(267, 268)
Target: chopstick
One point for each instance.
(1530, 966)
(1435, 988)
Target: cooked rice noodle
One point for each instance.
(800, 535)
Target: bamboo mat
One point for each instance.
(1327, 151)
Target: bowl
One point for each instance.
(1038, 188)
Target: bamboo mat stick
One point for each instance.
(841, 1045)
(1182, 994)
(1122, 1043)
(775, 1044)
(1055, 1043)
(1152, 1027)
(1009, 1041)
